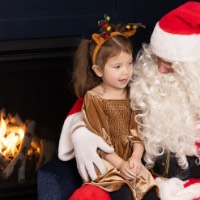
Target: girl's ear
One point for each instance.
(97, 70)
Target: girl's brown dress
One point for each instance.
(113, 120)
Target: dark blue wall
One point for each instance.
(25, 19)
(21, 19)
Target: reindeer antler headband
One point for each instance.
(106, 32)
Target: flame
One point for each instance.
(11, 137)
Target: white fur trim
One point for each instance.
(173, 189)
(65, 147)
(175, 47)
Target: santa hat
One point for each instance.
(176, 37)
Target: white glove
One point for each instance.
(85, 148)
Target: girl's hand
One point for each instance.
(126, 170)
(135, 164)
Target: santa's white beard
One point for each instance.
(170, 105)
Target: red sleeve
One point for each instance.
(77, 106)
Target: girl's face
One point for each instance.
(118, 71)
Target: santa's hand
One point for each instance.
(85, 148)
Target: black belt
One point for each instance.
(166, 166)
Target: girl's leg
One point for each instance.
(151, 195)
(124, 193)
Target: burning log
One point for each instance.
(20, 158)
(47, 151)
(29, 148)
(15, 119)
(3, 161)
(29, 131)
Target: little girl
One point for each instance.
(103, 69)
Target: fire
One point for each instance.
(11, 137)
(21, 147)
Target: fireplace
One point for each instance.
(35, 88)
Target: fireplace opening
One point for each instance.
(36, 92)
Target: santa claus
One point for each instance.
(166, 92)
